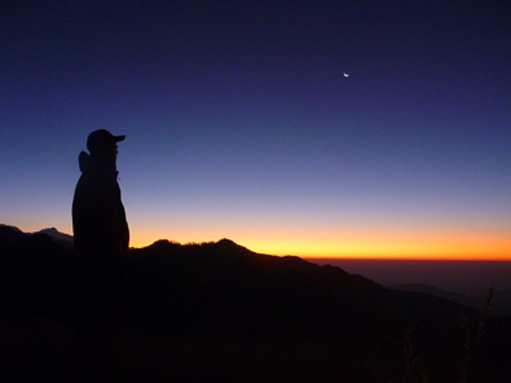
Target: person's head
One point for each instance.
(102, 143)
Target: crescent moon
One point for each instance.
(346, 75)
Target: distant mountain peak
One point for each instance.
(227, 242)
(10, 227)
(62, 239)
(10, 233)
(50, 229)
(224, 243)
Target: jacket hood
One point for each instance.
(84, 160)
(97, 166)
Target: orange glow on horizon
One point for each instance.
(406, 245)
(439, 244)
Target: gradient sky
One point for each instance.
(240, 123)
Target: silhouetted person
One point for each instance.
(99, 220)
(101, 234)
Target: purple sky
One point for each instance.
(240, 123)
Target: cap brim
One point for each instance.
(120, 138)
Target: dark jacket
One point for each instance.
(99, 220)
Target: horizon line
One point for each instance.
(384, 256)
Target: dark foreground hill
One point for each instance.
(218, 311)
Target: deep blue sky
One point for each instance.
(240, 123)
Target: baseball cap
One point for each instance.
(102, 139)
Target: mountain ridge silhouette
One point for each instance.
(217, 302)
(225, 265)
